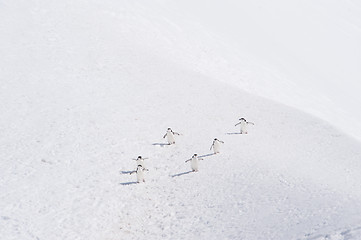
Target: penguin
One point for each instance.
(170, 136)
(243, 122)
(216, 145)
(194, 162)
(140, 161)
(140, 173)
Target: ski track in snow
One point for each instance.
(73, 120)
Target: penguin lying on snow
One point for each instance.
(243, 122)
(216, 145)
(140, 173)
(194, 162)
(170, 136)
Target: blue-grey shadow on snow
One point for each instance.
(161, 144)
(180, 174)
(207, 155)
(128, 183)
(126, 172)
(233, 133)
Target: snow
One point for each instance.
(304, 53)
(87, 86)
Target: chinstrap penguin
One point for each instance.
(170, 136)
(194, 162)
(243, 122)
(216, 145)
(140, 173)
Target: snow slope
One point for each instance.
(306, 53)
(87, 86)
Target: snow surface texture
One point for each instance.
(86, 86)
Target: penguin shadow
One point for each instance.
(126, 172)
(207, 155)
(128, 183)
(160, 144)
(181, 174)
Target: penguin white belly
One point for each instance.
(244, 128)
(216, 147)
(170, 138)
(140, 176)
(194, 164)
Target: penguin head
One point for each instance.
(215, 139)
(195, 155)
(139, 157)
(242, 119)
(139, 166)
(169, 129)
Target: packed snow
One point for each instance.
(88, 86)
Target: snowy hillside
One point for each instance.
(305, 53)
(87, 85)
